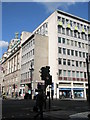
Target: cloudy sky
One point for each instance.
(26, 16)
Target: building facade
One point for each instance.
(31, 54)
(11, 63)
(67, 52)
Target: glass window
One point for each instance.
(82, 45)
(64, 61)
(72, 52)
(63, 40)
(80, 54)
(67, 31)
(83, 54)
(64, 50)
(71, 23)
(59, 39)
(79, 44)
(63, 20)
(71, 42)
(76, 53)
(59, 50)
(60, 72)
(80, 63)
(68, 52)
(75, 34)
(76, 63)
(59, 61)
(69, 73)
(85, 75)
(77, 74)
(64, 73)
(63, 30)
(68, 41)
(72, 62)
(68, 62)
(58, 18)
(81, 74)
(73, 73)
(59, 29)
(75, 43)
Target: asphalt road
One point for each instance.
(60, 109)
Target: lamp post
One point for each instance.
(31, 70)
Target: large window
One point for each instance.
(69, 73)
(63, 40)
(77, 74)
(64, 73)
(68, 62)
(59, 61)
(68, 51)
(60, 72)
(59, 29)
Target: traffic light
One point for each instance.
(48, 81)
(43, 77)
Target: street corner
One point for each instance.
(80, 116)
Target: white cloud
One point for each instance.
(3, 43)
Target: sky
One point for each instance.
(26, 16)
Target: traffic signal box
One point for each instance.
(45, 75)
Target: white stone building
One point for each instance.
(67, 48)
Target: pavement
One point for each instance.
(55, 113)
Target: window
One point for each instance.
(76, 63)
(68, 62)
(69, 73)
(81, 74)
(58, 18)
(72, 62)
(64, 73)
(68, 41)
(84, 64)
(85, 76)
(63, 40)
(83, 54)
(72, 52)
(63, 30)
(59, 61)
(59, 29)
(60, 72)
(71, 42)
(64, 50)
(63, 20)
(75, 43)
(71, 23)
(73, 73)
(80, 54)
(68, 52)
(59, 39)
(79, 44)
(76, 53)
(67, 31)
(82, 45)
(77, 74)
(80, 63)
(75, 34)
(59, 50)
(78, 35)
(64, 61)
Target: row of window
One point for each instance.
(27, 64)
(74, 74)
(72, 43)
(28, 45)
(71, 62)
(72, 33)
(27, 55)
(65, 51)
(73, 23)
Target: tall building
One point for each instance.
(11, 63)
(67, 38)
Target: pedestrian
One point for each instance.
(39, 103)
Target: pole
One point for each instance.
(88, 99)
(49, 98)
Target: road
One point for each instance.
(60, 109)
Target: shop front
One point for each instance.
(78, 92)
(64, 93)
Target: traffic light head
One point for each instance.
(43, 73)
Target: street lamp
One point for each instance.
(31, 70)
